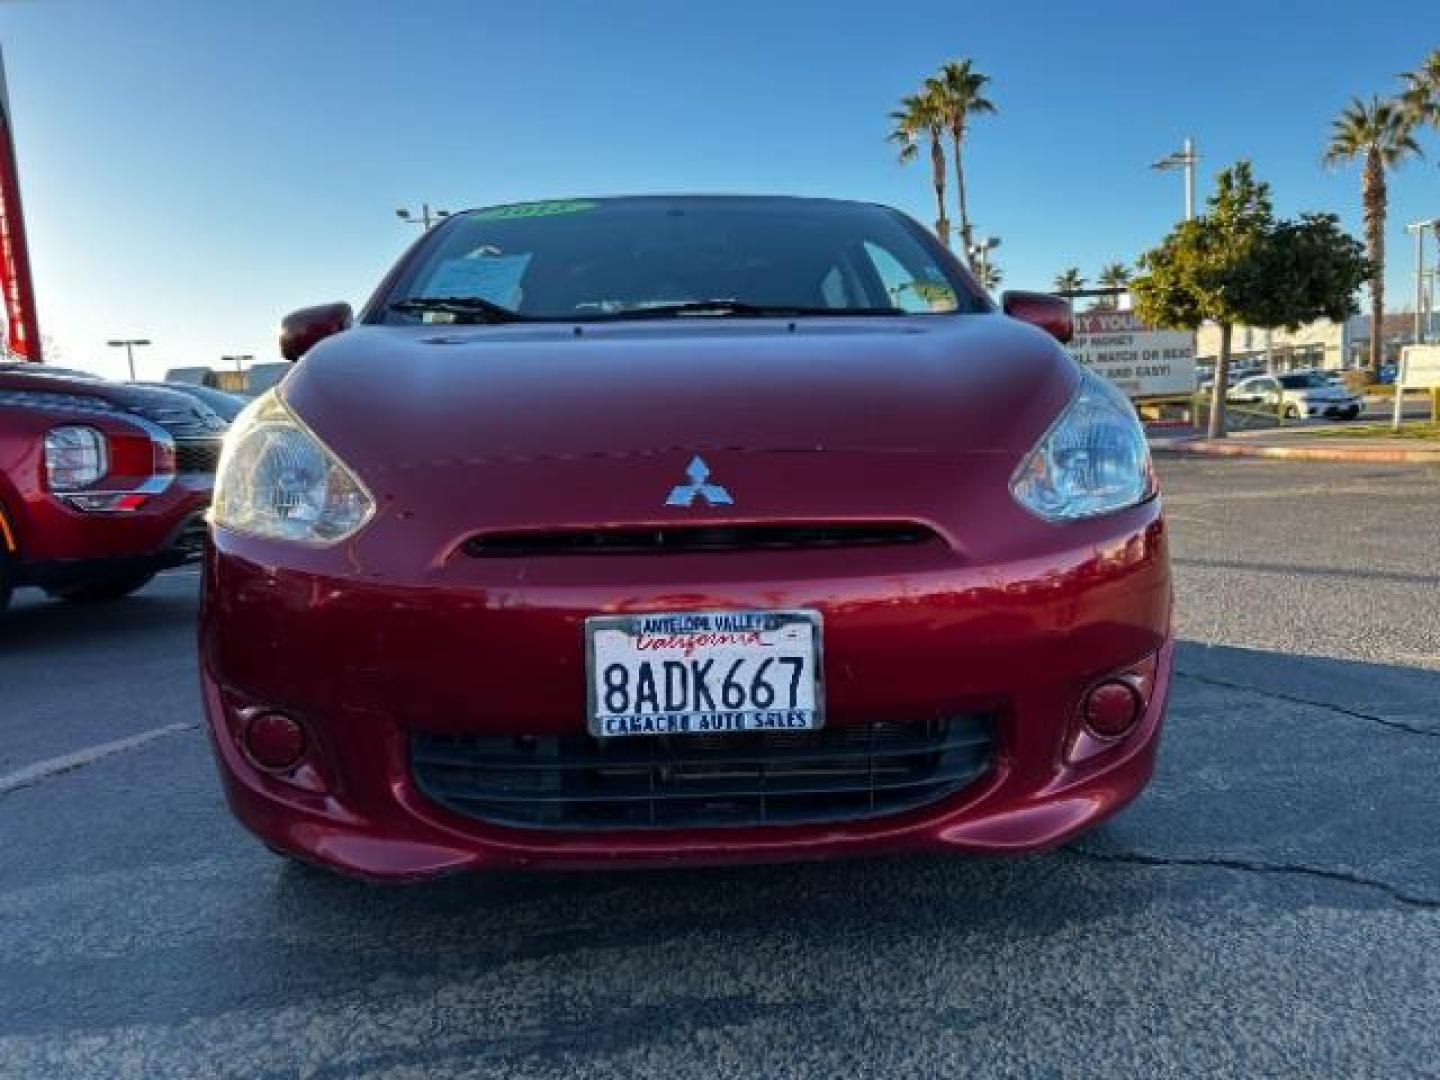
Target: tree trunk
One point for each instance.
(967, 239)
(1374, 197)
(1222, 379)
(937, 171)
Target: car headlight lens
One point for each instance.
(75, 457)
(276, 479)
(1093, 460)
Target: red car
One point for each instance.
(101, 484)
(666, 530)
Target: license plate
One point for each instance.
(703, 672)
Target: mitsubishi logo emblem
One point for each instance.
(698, 472)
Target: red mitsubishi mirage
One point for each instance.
(666, 530)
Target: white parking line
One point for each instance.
(41, 770)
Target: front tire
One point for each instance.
(6, 586)
(106, 590)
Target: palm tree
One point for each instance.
(1380, 133)
(1421, 96)
(1069, 280)
(1112, 276)
(919, 116)
(959, 92)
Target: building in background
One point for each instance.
(254, 380)
(1325, 344)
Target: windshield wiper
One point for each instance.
(725, 306)
(464, 307)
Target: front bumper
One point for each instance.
(67, 547)
(364, 665)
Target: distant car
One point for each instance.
(668, 530)
(1206, 381)
(101, 483)
(1388, 372)
(1298, 395)
(225, 405)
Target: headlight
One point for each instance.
(277, 479)
(75, 457)
(1093, 460)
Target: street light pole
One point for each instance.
(1184, 158)
(1190, 158)
(129, 345)
(427, 216)
(1418, 228)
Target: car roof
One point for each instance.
(695, 198)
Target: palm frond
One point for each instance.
(1383, 127)
(1421, 96)
(1114, 275)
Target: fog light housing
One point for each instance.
(1112, 708)
(273, 741)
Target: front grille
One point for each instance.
(692, 538)
(197, 456)
(752, 778)
(182, 419)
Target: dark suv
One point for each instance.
(101, 483)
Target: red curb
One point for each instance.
(1391, 455)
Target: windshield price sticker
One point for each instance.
(488, 277)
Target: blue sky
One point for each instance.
(192, 170)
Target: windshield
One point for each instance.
(605, 258)
(1306, 381)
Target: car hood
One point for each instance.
(392, 397)
(458, 431)
(179, 414)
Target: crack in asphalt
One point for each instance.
(1249, 866)
(1354, 714)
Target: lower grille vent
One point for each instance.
(753, 778)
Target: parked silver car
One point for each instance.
(1297, 395)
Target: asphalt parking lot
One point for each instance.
(1271, 905)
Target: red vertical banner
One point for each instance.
(22, 327)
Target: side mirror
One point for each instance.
(302, 330)
(1050, 313)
